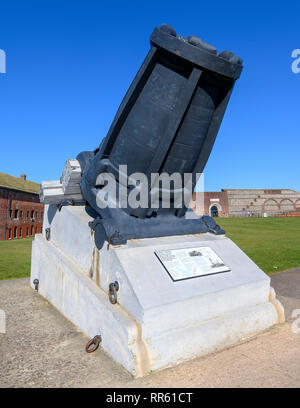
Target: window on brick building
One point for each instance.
(10, 212)
(21, 214)
(20, 233)
(28, 214)
(31, 230)
(32, 214)
(15, 232)
(27, 231)
(16, 213)
(9, 233)
(36, 214)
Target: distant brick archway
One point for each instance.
(287, 205)
(215, 204)
(270, 205)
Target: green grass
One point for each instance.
(272, 243)
(15, 258)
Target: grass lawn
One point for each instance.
(15, 258)
(272, 243)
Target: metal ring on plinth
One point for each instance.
(94, 341)
(112, 292)
(47, 233)
(36, 284)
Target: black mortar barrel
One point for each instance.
(171, 114)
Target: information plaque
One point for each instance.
(187, 263)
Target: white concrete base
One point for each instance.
(156, 322)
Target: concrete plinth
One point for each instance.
(157, 322)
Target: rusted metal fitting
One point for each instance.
(65, 202)
(114, 234)
(36, 284)
(95, 342)
(112, 292)
(47, 233)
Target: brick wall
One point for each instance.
(204, 204)
(21, 214)
(244, 202)
(258, 202)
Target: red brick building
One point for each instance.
(21, 213)
(216, 203)
(213, 203)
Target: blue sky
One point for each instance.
(69, 64)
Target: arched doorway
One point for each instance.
(214, 212)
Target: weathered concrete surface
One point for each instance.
(42, 349)
(196, 316)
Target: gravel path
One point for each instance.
(43, 349)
